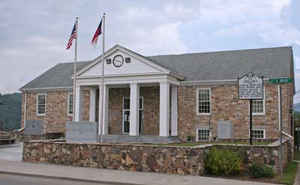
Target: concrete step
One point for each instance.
(139, 139)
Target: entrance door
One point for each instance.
(126, 115)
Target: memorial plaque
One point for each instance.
(224, 130)
(34, 127)
(251, 87)
(81, 131)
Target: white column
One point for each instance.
(103, 113)
(92, 105)
(100, 111)
(164, 109)
(174, 110)
(77, 103)
(134, 109)
(105, 110)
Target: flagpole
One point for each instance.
(102, 89)
(74, 71)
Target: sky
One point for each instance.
(34, 33)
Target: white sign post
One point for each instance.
(250, 88)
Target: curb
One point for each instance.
(67, 178)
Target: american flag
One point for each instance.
(97, 33)
(73, 36)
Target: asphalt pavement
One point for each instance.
(11, 152)
(7, 179)
(106, 176)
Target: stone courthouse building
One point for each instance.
(193, 96)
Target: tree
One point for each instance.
(10, 111)
(1, 125)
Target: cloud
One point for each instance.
(159, 40)
(297, 62)
(34, 33)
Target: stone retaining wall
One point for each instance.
(147, 158)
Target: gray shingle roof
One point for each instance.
(223, 65)
(226, 65)
(59, 76)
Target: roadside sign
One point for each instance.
(250, 87)
(280, 80)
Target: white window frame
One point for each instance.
(264, 106)
(37, 104)
(68, 104)
(123, 110)
(260, 129)
(197, 133)
(197, 103)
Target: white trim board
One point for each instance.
(68, 104)
(197, 101)
(37, 104)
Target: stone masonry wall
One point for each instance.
(227, 107)
(147, 158)
(224, 101)
(56, 109)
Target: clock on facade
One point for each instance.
(118, 60)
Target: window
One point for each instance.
(126, 114)
(203, 101)
(258, 133)
(202, 134)
(126, 103)
(258, 106)
(70, 104)
(41, 104)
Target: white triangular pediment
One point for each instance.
(138, 65)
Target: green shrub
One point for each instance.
(189, 138)
(260, 170)
(222, 162)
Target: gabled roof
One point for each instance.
(59, 76)
(128, 51)
(223, 65)
(228, 65)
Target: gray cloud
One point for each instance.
(34, 33)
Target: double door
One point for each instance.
(126, 115)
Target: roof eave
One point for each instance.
(44, 88)
(176, 75)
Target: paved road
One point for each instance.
(12, 152)
(6, 179)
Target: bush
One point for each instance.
(222, 162)
(260, 170)
(189, 138)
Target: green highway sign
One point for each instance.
(280, 80)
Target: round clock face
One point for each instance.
(118, 60)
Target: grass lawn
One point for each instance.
(297, 155)
(289, 174)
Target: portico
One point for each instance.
(130, 77)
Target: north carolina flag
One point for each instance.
(97, 33)
(73, 36)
